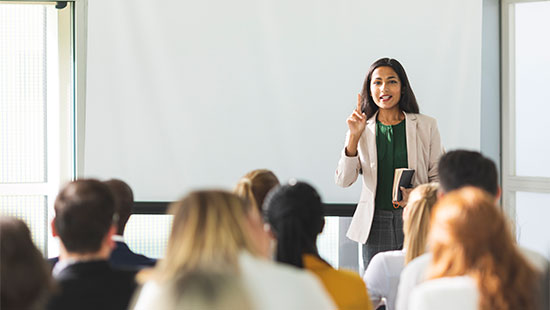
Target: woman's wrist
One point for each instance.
(351, 148)
(351, 153)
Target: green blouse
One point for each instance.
(391, 146)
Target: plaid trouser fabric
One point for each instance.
(386, 233)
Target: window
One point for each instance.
(36, 108)
(526, 72)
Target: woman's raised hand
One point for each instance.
(356, 124)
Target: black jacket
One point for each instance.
(93, 285)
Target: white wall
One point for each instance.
(187, 94)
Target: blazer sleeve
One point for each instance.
(436, 150)
(348, 167)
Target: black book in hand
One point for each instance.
(401, 178)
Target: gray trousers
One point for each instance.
(386, 233)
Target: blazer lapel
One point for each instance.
(410, 121)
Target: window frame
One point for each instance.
(511, 182)
(64, 108)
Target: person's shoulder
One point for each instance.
(122, 256)
(349, 277)
(457, 292)
(124, 272)
(416, 268)
(147, 296)
(251, 264)
(388, 257)
(537, 260)
(391, 254)
(422, 118)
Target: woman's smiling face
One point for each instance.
(385, 88)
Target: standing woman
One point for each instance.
(385, 132)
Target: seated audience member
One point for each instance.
(203, 290)
(25, 276)
(457, 169)
(382, 274)
(122, 256)
(255, 185)
(296, 217)
(469, 236)
(216, 231)
(84, 211)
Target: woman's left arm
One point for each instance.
(436, 150)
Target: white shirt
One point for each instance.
(270, 286)
(117, 238)
(382, 277)
(450, 293)
(412, 275)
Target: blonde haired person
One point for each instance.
(255, 185)
(382, 274)
(216, 231)
(469, 236)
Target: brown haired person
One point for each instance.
(84, 212)
(474, 250)
(122, 256)
(26, 280)
(386, 131)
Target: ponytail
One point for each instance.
(296, 217)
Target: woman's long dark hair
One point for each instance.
(407, 103)
(296, 216)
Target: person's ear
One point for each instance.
(54, 231)
(109, 237)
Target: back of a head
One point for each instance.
(296, 216)
(416, 224)
(469, 235)
(25, 279)
(255, 185)
(209, 230)
(84, 212)
(124, 200)
(467, 168)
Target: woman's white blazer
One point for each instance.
(423, 152)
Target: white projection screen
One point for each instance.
(184, 95)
